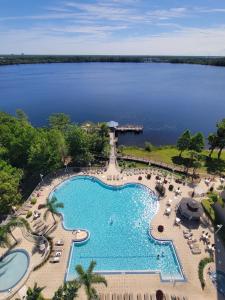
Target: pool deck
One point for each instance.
(52, 275)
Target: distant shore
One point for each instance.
(45, 59)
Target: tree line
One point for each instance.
(27, 151)
(37, 59)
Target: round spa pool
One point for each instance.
(13, 267)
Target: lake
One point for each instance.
(165, 98)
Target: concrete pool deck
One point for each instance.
(54, 274)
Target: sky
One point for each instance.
(136, 27)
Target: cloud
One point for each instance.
(186, 41)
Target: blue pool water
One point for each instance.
(118, 221)
(12, 269)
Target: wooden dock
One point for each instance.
(130, 127)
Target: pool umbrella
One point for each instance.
(190, 209)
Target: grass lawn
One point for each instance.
(170, 155)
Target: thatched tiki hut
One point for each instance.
(190, 209)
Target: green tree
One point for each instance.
(21, 115)
(213, 142)
(52, 206)
(16, 135)
(59, 121)
(48, 151)
(7, 229)
(88, 278)
(196, 162)
(9, 187)
(197, 142)
(68, 291)
(35, 293)
(184, 141)
(80, 145)
(221, 136)
(4, 236)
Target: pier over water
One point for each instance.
(125, 128)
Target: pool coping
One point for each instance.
(111, 272)
(24, 274)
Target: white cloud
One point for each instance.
(187, 41)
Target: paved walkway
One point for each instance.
(112, 167)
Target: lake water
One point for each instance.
(165, 98)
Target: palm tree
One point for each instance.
(9, 227)
(52, 206)
(35, 293)
(213, 142)
(68, 291)
(4, 237)
(88, 278)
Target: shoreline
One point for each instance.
(8, 60)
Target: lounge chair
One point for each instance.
(194, 246)
(191, 241)
(56, 254)
(59, 243)
(37, 223)
(153, 296)
(101, 297)
(107, 297)
(126, 296)
(55, 260)
(196, 251)
(57, 248)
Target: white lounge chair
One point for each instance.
(55, 260)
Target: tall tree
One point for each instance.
(68, 291)
(52, 206)
(16, 135)
(88, 278)
(197, 142)
(4, 236)
(183, 142)
(213, 142)
(35, 293)
(79, 141)
(59, 121)
(9, 187)
(10, 226)
(221, 136)
(21, 115)
(48, 151)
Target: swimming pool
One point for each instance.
(118, 221)
(12, 269)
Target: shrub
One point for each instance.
(139, 178)
(148, 176)
(170, 187)
(207, 205)
(33, 201)
(201, 267)
(149, 147)
(29, 214)
(211, 189)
